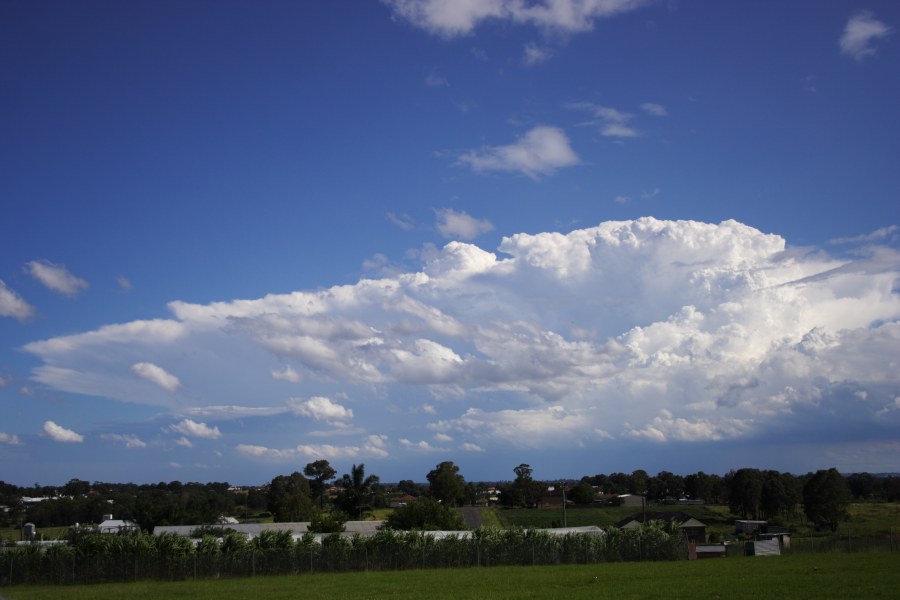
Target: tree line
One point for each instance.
(319, 496)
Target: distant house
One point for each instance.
(110, 525)
(694, 530)
(749, 527)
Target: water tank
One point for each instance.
(106, 518)
(29, 531)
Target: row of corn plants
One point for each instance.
(99, 558)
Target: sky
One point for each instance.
(587, 235)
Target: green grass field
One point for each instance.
(831, 575)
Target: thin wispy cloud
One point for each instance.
(130, 441)
(535, 55)
(56, 278)
(861, 34)
(657, 110)
(611, 122)
(541, 151)
(436, 80)
(286, 374)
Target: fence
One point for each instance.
(848, 542)
(91, 563)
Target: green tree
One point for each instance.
(446, 484)
(583, 493)
(826, 498)
(356, 497)
(426, 514)
(525, 489)
(745, 492)
(289, 498)
(320, 472)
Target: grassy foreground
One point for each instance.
(832, 575)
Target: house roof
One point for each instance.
(683, 520)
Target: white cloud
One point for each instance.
(646, 329)
(861, 33)
(11, 439)
(321, 409)
(56, 278)
(193, 428)
(157, 375)
(657, 110)
(452, 18)
(461, 225)
(611, 122)
(183, 441)
(651, 194)
(130, 441)
(622, 199)
(61, 434)
(286, 374)
(541, 151)
(467, 447)
(124, 283)
(420, 445)
(12, 305)
(535, 55)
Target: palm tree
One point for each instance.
(357, 495)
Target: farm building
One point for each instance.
(694, 530)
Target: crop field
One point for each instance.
(831, 575)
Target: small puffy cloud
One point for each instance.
(12, 305)
(61, 434)
(420, 445)
(11, 439)
(257, 451)
(321, 409)
(535, 55)
(452, 18)
(56, 278)
(286, 374)
(157, 375)
(183, 441)
(622, 199)
(443, 437)
(468, 447)
(860, 35)
(461, 225)
(130, 441)
(193, 428)
(124, 283)
(541, 151)
(657, 110)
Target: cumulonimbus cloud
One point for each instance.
(541, 151)
(641, 330)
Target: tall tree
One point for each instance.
(826, 498)
(745, 492)
(447, 485)
(356, 498)
(320, 472)
(288, 498)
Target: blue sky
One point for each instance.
(589, 236)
